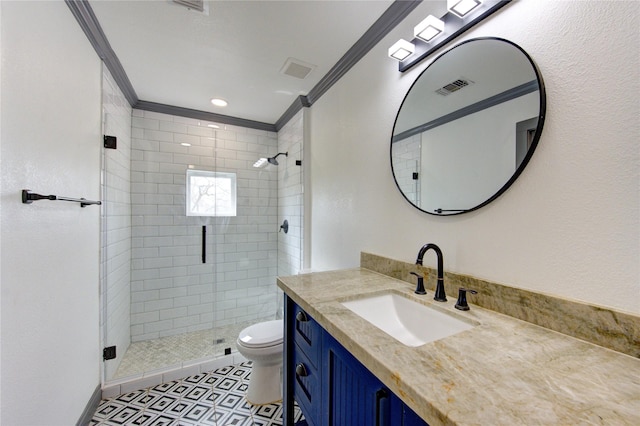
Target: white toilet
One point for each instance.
(262, 344)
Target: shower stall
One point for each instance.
(191, 239)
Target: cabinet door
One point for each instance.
(410, 418)
(306, 388)
(307, 334)
(352, 394)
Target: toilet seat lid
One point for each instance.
(263, 334)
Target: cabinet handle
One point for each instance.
(301, 317)
(382, 412)
(301, 371)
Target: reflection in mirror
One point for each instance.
(468, 126)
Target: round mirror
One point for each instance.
(468, 126)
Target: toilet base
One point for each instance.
(264, 385)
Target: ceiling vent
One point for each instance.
(192, 4)
(454, 86)
(296, 68)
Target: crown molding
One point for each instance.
(398, 10)
(83, 13)
(203, 115)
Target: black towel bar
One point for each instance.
(29, 197)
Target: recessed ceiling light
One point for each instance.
(213, 126)
(185, 144)
(219, 102)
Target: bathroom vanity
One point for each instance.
(330, 385)
(339, 366)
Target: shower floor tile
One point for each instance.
(215, 398)
(150, 355)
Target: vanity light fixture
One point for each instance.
(461, 8)
(401, 50)
(433, 33)
(219, 102)
(429, 28)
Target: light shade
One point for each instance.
(461, 8)
(429, 28)
(401, 50)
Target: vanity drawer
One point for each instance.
(307, 334)
(306, 387)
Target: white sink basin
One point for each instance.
(405, 320)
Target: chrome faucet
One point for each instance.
(440, 295)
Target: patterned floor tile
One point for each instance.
(108, 409)
(162, 403)
(125, 416)
(145, 418)
(216, 398)
(197, 412)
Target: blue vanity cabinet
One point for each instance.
(352, 395)
(410, 418)
(307, 336)
(329, 384)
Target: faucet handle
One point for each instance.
(420, 287)
(461, 303)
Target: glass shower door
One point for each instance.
(198, 273)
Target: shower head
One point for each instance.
(260, 163)
(272, 160)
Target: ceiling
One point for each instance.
(234, 50)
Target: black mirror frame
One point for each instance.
(527, 157)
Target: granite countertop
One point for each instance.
(504, 371)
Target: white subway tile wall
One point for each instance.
(116, 223)
(290, 196)
(406, 161)
(290, 200)
(172, 291)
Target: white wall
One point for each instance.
(569, 226)
(50, 143)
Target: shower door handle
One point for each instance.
(204, 244)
